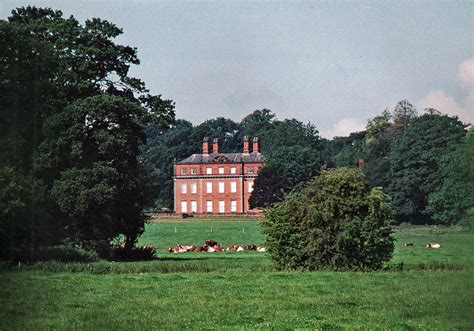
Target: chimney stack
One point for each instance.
(246, 145)
(205, 146)
(215, 145)
(255, 145)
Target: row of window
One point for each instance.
(220, 187)
(220, 170)
(209, 206)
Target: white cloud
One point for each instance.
(466, 74)
(446, 104)
(344, 127)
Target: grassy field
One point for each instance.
(423, 289)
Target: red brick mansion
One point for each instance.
(213, 183)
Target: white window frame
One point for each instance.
(221, 170)
(233, 170)
(233, 187)
(194, 206)
(193, 171)
(184, 207)
(250, 187)
(221, 206)
(209, 206)
(193, 188)
(208, 187)
(184, 188)
(233, 206)
(251, 170)
(208, 171)
(221, 188)
(183, 171)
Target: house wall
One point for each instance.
(244, 174)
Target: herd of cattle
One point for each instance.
(428, 245)
(213, 246)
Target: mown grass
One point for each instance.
(433, 289)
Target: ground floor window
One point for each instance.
(184, 207)
(194, 207)
(209, 206)
(221, 206)
(233, 206)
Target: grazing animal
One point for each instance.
(261, 249)
(433, 245)
(240, 249)
(407, 244)
(232, 248)
(210, 243)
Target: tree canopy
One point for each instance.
(72, 121)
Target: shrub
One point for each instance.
(121, 253)
(337, 222)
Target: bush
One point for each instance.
(121, 253)
(336, 223)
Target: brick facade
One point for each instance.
(216, 183)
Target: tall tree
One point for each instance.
(454, 199)
(416, 160)
(50, 65)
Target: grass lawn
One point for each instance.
(434, 289)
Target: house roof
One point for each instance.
(223, 158)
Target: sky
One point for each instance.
(332, 63)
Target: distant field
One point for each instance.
(433, 289)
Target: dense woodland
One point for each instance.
(85, 150)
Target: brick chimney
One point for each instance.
(246, 145)
(215, 145)
(205, 146)
(255, 145)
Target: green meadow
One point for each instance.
(419, 288)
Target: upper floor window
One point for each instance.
(250, 187)
(208, 171)
(221, 187)
(184, 188)
(233, 170)
(221, 170)
(250, 170)
(209, 187)
(193, 171)
(233, 187)
(193, 188)
(183, 171)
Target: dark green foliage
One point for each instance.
(269, 187)
(451, 203)
(416, 159)
(140, 253)
(337, 222)
(71, 123)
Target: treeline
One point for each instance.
(424, 162)
(72, 122)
